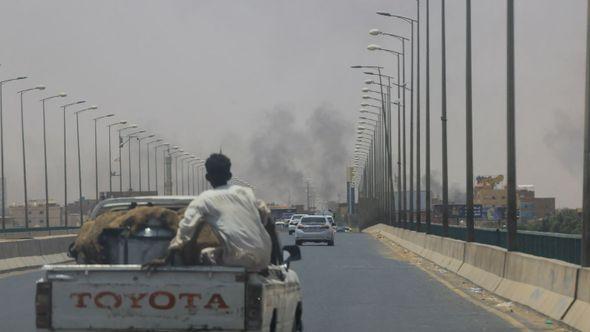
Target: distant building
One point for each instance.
(526, 201)
(37, 216)
(544, 207)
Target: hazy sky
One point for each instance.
(211, 74)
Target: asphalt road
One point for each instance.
(352, 286)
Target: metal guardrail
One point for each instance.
(565, 247)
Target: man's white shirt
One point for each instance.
(231, 211)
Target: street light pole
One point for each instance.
(156, 162)
(174, 154)
(469, 129)
(61, 95)
(129, 137)
(585, 246)
(3, 180)
(139, 139)
(121, 144)
(418, 198)
(80, 160)
(182, 159)
(428, 193)
(148, 162)
(22, 123)
(511, 130)
(96, 151)
(64, 107)
(111, 157)
(443, 118)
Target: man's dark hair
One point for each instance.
(218, 168)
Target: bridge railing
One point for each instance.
(565, 247)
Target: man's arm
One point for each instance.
(187, 226)
(186, 230)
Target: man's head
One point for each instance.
(218, 170)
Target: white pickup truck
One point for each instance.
(123, 297)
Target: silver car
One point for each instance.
(315, 229)
(293, 222)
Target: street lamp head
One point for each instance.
(365, 90)
(366, 97)
(21, 78)
(364, 104)
(40, 87)
(109, 115)
(150, 136)
(93, 107)
(374, 32)
(62, 94)
(373, 47)
(383, 13)
(123, 122)
(369, 82)
(356, 67)
(79, 102)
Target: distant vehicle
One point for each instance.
(121, 296)
(315, 229)
(343, 229)
(293, 222)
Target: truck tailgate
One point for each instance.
(123, 297)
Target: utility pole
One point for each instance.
(445, 180)
(585, 261)
(168, 174)
(307, 192)
(428, 199)
(511, 139)
(418, 202)
(411, 219)
(469, 130)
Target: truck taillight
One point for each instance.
(43, 305)
(253, 307)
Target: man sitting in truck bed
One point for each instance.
(232, 212)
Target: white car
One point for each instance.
(315, 229)
(294, 221)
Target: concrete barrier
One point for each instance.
(483, 265)
(579, 314)
(29, 253)
(433, 249)
(8, 249)
(414, 241)
(453, 254)
(557, 289)
(546, 285)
